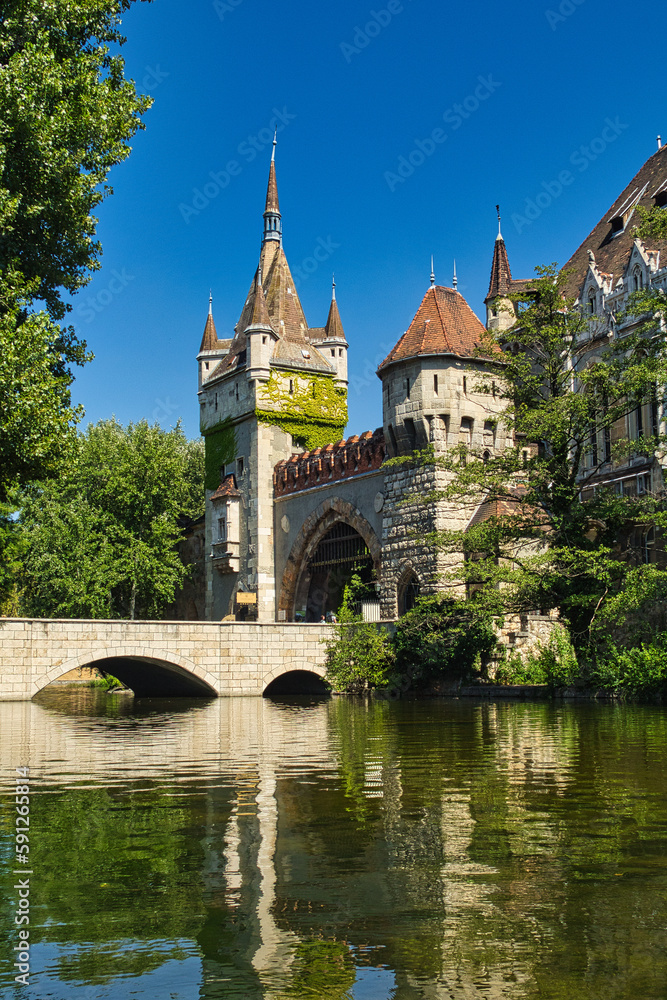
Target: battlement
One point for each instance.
(343, 460)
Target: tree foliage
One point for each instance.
(101, 540)
(359, 655)
(66, 117)
(547, 541)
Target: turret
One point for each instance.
(333, 344)
(212, 350)
(260, 337)
(500, 313)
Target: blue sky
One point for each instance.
(401, 124)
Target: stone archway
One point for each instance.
(316, 526)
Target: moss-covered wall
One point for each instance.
(314, 413)
(220, 449)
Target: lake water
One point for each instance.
(337, 849)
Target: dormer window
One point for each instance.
(617, 225)
(591, 302)
(661, 199)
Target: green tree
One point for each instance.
(101, 540)
(548, 542)
(359, 655)
(66, 117)
(652, 223)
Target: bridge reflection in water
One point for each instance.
(253, 849)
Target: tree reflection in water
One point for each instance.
(254, 849)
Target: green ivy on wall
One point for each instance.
(220, 449)
(314, 413)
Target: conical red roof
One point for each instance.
(444, 324)
(501, 275)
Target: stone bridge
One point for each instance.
(164, 659)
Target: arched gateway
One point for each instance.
(335, 541)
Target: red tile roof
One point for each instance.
(444, 324)
(227, 488)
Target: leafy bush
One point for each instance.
(554, 664)
(359, 654)
(635, 671)
(443, 637)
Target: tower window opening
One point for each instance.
(216, 401)
(340, 352)
(264, 340)
(411, 433)
(591, 303)
(333, 352)
(435, 384)
(236, 387)
(291, 387)
(407, 388)
(239, 467)
(206, 365)
(637, 279)
(465, 384)
(392, 438)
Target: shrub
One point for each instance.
(359, 654)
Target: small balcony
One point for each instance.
(225, 556)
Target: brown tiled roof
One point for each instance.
(444, 324)
(209, 341)
(334, 327)
(612, 252)
(501, 275)
(227, 488)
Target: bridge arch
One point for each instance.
(287, 680)
(315, 528)
(148, 672)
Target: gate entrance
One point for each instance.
(340, 554)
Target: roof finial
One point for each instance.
(333, 287)
(210, 302)
(455, 280)
(659, 142)
(500, 235)
(275, 143)
(432, 273)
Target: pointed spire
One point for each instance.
(501, 275)
(275, 143)
(432, 273)
(334, 327)
(209, 341)
(455, 280)
(273, 227)
(333, 287)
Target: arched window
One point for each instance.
(592, 302)
(637, 279)
(408, 592)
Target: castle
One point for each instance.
(293, 509)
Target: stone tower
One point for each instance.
(430, 395)
(276, 388)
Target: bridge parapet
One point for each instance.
(215, 658)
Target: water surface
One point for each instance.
(337, 849)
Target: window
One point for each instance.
(465, 384)
(435, 384)
(593, 446)
(291, 386)
(333, 352)
(411, 433)
(407, 388)
(206, 365)
(216, 401)
(649, 546)
(222, 529)
(264, 339)
(637, 279)
(592, 298)
(239, 467)
(340, 352)
(236, 390)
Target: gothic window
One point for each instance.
(435, 384)
(637, 279)
(591, 302)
